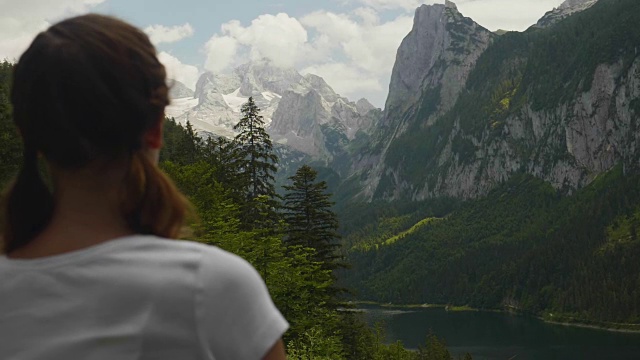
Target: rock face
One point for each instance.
(523, 102)
(432, 66)
(179, 90)
(310, 113)
(566, 9)
(300, 111)
(436, 56)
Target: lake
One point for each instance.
(492, 335)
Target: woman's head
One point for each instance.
(91, 89)
(88, 88)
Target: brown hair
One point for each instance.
(88, 89)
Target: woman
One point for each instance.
(88, 270)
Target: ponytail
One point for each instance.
(151, 203)
(28, 204)
(88, 89)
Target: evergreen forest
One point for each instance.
(559, 253)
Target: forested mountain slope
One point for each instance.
(523, 247)
(524, 194)
(558, 103)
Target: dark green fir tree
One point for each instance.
(256, 163)
(311, 222)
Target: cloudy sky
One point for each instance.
(351, 43)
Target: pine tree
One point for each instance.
(221, 153)
(311, 223)
(256, 162)
(182, 145)
(10, 146)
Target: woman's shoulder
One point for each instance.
(211, 267)
(159, 248)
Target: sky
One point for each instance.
(350, 43)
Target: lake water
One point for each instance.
(489, 335)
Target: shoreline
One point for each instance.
(562, 321)
(594, 327)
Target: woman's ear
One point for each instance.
(153, 137)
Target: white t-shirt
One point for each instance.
(136, 297)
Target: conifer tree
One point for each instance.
(256, 162)
(221, 153)
(182, 144)
(10, 147)
(311, 222)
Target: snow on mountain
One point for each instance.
(178, 90)
(180, 106)
(298, 110)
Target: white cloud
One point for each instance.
(176, 70)
(506, 14)
(492, 14)
(395, 4)
(345, 78)
(280, 38)
(367, 46)
(353, 52)
(20, 21)
(163, 34)
(221, 53)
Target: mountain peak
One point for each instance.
(576, 3)
(178, 90)
(297, 109)
(566, 9)
(263, 76)
(450, 5)
(364, 106)
(440, 35)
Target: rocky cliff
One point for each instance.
(178, 90)
(566, 9)
(302, 112)
(435, 57)
(431, 69)
(560, 103)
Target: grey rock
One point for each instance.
(566, 9)
(295, 108)
(178, 90)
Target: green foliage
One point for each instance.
(307, 212)
(366, 226)
(299, 276)
(10, 145)
(535, 70)
(181, 145)
(564, 57)
(257, 163)
(522, 247)
(434, 349)
(315, 344)
(635, 106)
(413, 229)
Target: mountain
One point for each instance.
(179, 90)
(432, 66)
(307, 119)
(435, 57)
(301, 112)
(566, 9)
(517, 188)
(557, 103)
